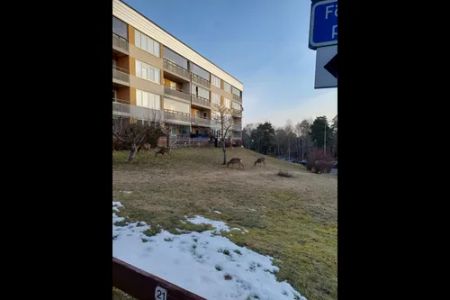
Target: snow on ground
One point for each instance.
(204, 263)
(218, 225)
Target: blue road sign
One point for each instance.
(324, 25)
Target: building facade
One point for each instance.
(158, 78)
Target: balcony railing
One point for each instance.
(201, 121)
(236, 97)
(174, 68)
(177, 116)
(200, 80)
(201, 101)
(121, 74)
(237, 127)
(120, 43)
(136, 112)
(177, 93)
(236, 112)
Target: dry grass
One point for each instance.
(292, 219)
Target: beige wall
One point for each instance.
(136, 20)
(146, 85)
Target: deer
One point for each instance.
(145, 147)
(235, 160)
(162, 151)
(261, 160)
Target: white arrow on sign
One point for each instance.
(326, 67)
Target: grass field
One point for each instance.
(291, 219)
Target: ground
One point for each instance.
(291, 219)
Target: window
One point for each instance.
(147, 99)
(203, 93)
(236, 106)
(199, 71)
(176, 106)
(227, 102)
(147, 72)
(226, 87)
(175, 57)
(215, 81)
(146, 43)
(215, 98)
(120, 28)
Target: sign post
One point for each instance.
(323, 37)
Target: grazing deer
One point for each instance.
(162, 151)
(261, 160)
(235, 160)
(145, 147)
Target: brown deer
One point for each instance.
(145, 147)
(162, 151)
(235, 160)
(261, 160)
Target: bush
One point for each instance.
(319, 162)
(284, 174)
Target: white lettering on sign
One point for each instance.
(331, 9)
(334, 32)
(160, 293)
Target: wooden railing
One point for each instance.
(145, 286)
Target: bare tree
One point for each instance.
(132, 135)
(225, 121)
(289, 129)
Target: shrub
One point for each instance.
(319, 162)
(284, 174)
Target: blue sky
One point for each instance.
(263, 43)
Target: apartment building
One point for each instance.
(158, 78)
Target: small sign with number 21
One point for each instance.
(160, 293)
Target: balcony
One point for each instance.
(120, 44)
(236, 112)
(197, 100)
(200, 80)
(236, 97)
(121, 76)
(137, 112)
(201, 121)
(177, 93)
(171, 115)
(237, 127)
(175, 69)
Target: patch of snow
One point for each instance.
(204, 263)
(117, 204)
(252, 209)
(217, 212)
(127, 192)
(218, 225)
